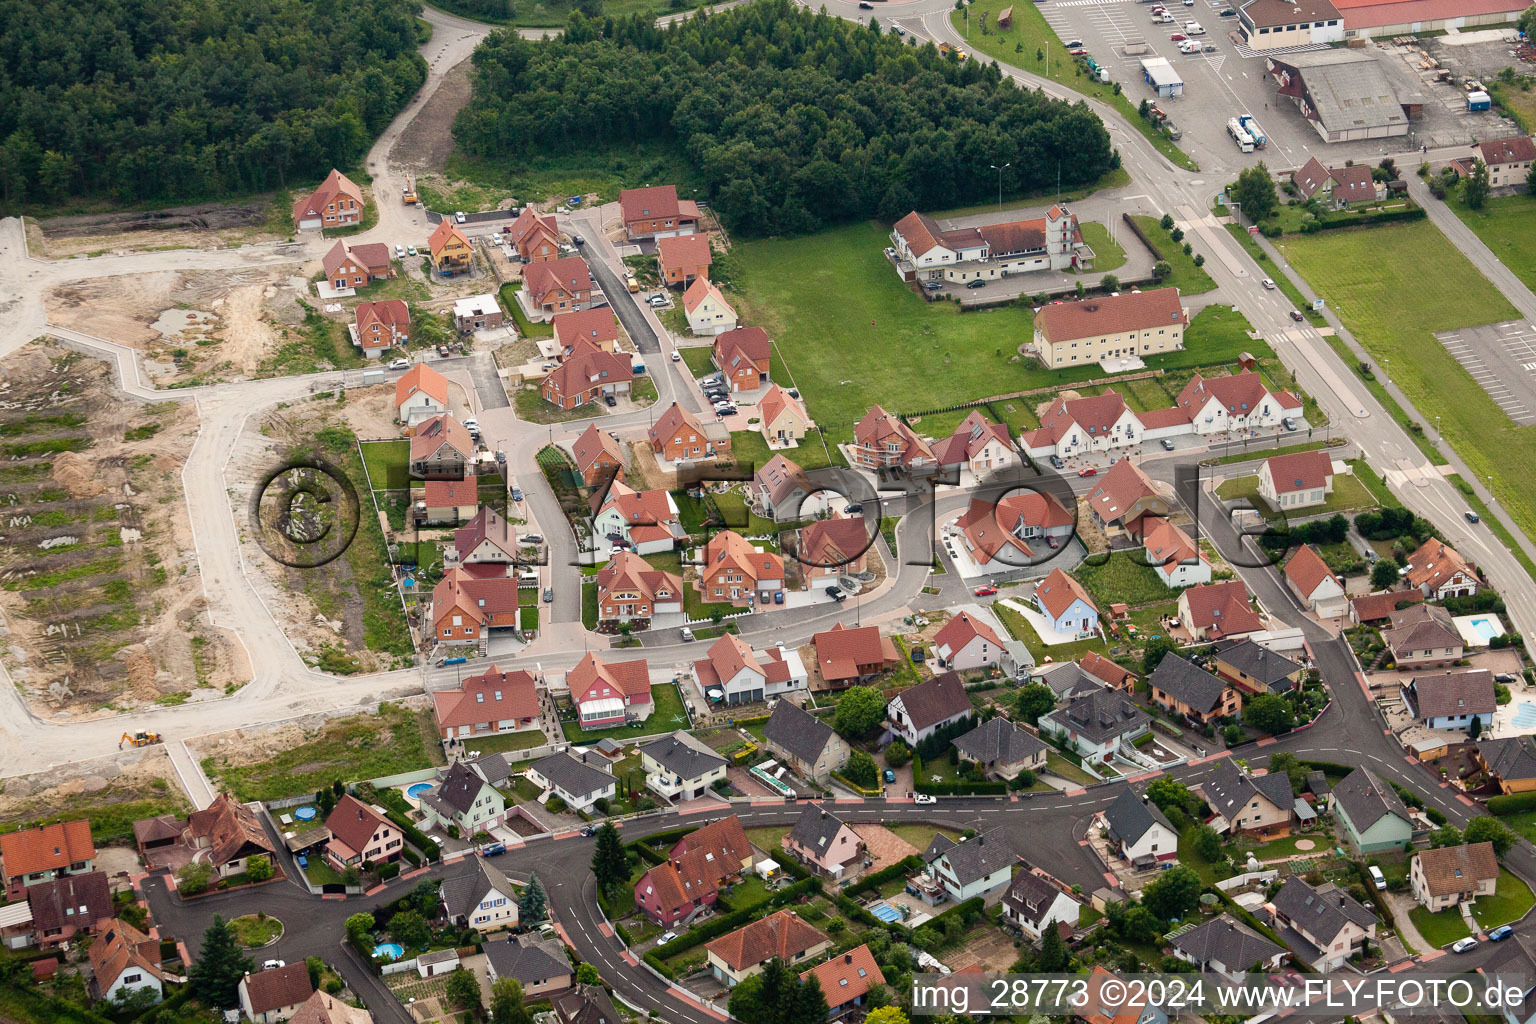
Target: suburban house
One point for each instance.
(972, 867)
(598, 457)
(576, 782)
(559, 285)
(697, 865)
(679, 767)
(1256, 805)
(1185, 689)
(355, 266)
(465, 609)
(1236, 402)
(598, 326)
(1139, 831)
(1440, 572)
(610, 694)
(1377, 609)
(1314, 584)
(967, 643)
(706, 309)
(734, 572)
(477, 313)
(846, 979)
(1034, 903)
(484, 900)
(1452, 875)
(441, 449)
(1373, 815)
(449, 250)
(1110, 673)
(780, 489)
(1098, 725)
(1271, 24)
(1114, 1007)
(745, 677)
(585, 1004)
(1324, 926)
(656, 212)
(781, 418)
(677, 436)
(682, 259)
(1422, 636)
(45, 853)
(360, 834)
(1452, 700)
(831, 548)
(490, 704)
(1337, 186)
(923, 251)
(736, 956)
(1174, 555)
(1002, 749)
(226, 834)
(588, 374)
(823, 842)
(1109, 327)
(539, 965)
(1222, 946)
(742, 357)
(919, 711)
(997, 535)
(464, 800)
(1298, 480)
(1216, 611)
(645, 521)
(1066, 605)
(1509, 160)
(1510, 762)
(1077, 426)
(337, 202)
(486, 546)
(536, 239)
(124, 962)
(381, 325)
(445, 502)
(420, 393)
(804, 742)
(324, 1008)
(883, 441)
(275, 995)
(67, 906)
(1254, 669)
(847, 655)
(1124, 499)
(1066, 680)
(978, 445)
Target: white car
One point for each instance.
(676, 356)
(924, 798)
(1464, 945)
(399, 364)
(1269, 284)
(1189, 46)
(438, 840)
(272, 965)
(459, 215)
(471, 422)
(657, 300)
(399, 252)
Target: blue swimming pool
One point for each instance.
(884, 911)
(1487, 628)
(306, 813)
(388, 951)
(415, 792)
(1525, 715)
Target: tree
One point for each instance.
(1487, 829)
(1287, 762)
(586, 974)
(886, 1015)
(1152, 655)
(746, 1003)
(1053, 951)
(1177, 234)
(861, 770)
(859, 712)
(1161, 269)
(1169, 793)
(1034, 700)
(1527, 22)
(507, 1001)
(533, 906)
(1207, 843)
(1530, 182)
(1474, 191)
(1450, 835)
(463, 991)
(218, 970)
(610, 864)
(193, 877)
(1167, 221)
(1383, 575)
(1271, 713)
(259, 868)
(1199, 259)
(1475, 729)
(1255, 191)
(1172, 894)
(359, 927)
(897, 753)
(1110, 283)
(410, 929)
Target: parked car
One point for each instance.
(589, 830)
(472, 423)
(1296, 315)
(890, 776)
(399, 364)
(1075, 42)
(1506, 677)
(578, 240)
(1501, 933)
(836, 594)
(657, 300)
(272, 965)
(1078, 52)
(855, 508)
(1288, 423)
(1464, 945)
(459, 216)
(933, 286)
(986, 591)
(517, 494)
(666, 938)
(1167, 444)
(1472, 517)
(493, 849)
(609, 401)
(442, 350)
(978, 283)
(410, 250)
(1178, 37)
(677, 356)
(687, 635)
(1227, 13)
(924, 798)
(1056, 462)
(865, 5)
(778, 597)
(1377, 877)
(549, 595)
(399, 252)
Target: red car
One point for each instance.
(1088, 471)
(1178, 37)
(1078, 51)
(985, 591)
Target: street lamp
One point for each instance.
(1000, 171)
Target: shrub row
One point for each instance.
(1382, 217)
(952, 788)
(845, 780)
(1512, 803)
(901, 868)
(726, 923)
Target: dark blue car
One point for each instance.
(1500, 933)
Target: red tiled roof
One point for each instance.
(1120, 489)
(592, 445)
(1222, 608)
(624, 678)
(446, 232)
(486, 525)
(1310, 178)
(568, 273)
(1299, 471)
(354, 823)
(670, 423)
(48, 848)
(588, 367)
(1434, 563)
(637, 508)
(439, 430)
(424, 379)
(848, 976)
(987, 529)
(834, 542)
(779, 476)
(701, 289)
(389, 312)
(773, 405)
(1110, 314)
(336, 256)
(491, 696)
(723, 842)
(1166, 545)
(961, 630)
(687, 253)
(1359, 14)
(1239, 393)
(1353, 184)
(451, 493)
(372, 255)
(120, 947)
(594, 325)
(1516, 150)
(1100, 667)
(278, 988)
(1306, 570)
(1381, 606)
(1057, 592)
(627, 571)
(1096, 414)
(750, 343)
(781, 935)
(229, 828)
(841, 650)
(334, 184)
(731, 549)
(650, 203)
(480, 600)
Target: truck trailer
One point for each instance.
(1251, 126)
(1242, 138)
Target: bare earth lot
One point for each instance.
(202, 226)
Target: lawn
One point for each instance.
(767, 838)
(1507, 225)
(1019, 626)
(508, 741)
(1394, 286)
(1287, 847)
(921, 835)
(1509, 902)
(700, 361)
(1122, 576)
(1029, 35)
(253, 932)
(1058, 765)
(1348, 495)
(751, 451)
(589, 603)
(1189, 279)
(1218, 334)
(1109, 255)
(525, 327)
(320, 873)
(1440, 928)
(388, 464)
(668, 716)
(1268, 453)
(733, 509)
(544, 172)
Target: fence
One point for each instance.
(398, 966)
(1049, 389)
(1247, 879)
(404, 778)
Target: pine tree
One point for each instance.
(810, 1005)
(216, 975)
(507, 1002)
(609, 861)
(1053, 951)
(533, 907)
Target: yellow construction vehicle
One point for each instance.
(409, 195)
(139, 739)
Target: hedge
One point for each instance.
(952, 788)
(413, 835)
(390, 870)
(845, 780)
(1372, 219)
(1512, 803)
(719, 925)
(869, 883)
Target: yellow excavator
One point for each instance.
(139, 739)
(408, 195)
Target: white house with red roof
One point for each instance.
(1125, 499)
(1078, 426)
(706, 309)
(656, 212)
(646, 521)
(977, 445)
(783, 492)
(441, 448)
(1239, 401)
(629, 587)
(1219, 611)
(1297, 480)
(420, 393)
(464, 609)
(923, 250)
(1439, 571)
(608, 694)
(782, 419)
(445, 502)
(1174, 555)
(1067, 606)
(967, 642)
(1509, 160)
(1012, 532)
(745, 676)
(489, 704)
(1314, 584)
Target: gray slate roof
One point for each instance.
(1255, 661)
(979, 856)
(939, 845)
(1350, 91)
(1031, 896)
(682, 758)
(1228, 789)
(572, 775)
(1187, 682)
(1130, 817)
(797, 731)
(463, 893)
(1068, 680)
(1511, 757)
(457, 792)
(493, 768)
(1101, 715)
(586, 1004)
(1224, 940)
(529, 964)
(816, 828)
(1001, 741)
(1365, 799)
(1322, 912)
(940, 698)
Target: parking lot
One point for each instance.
(1502, 359)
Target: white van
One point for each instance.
(528, 578)
(1194, 28)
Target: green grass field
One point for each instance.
(1394, 286)
(1510, 900)
(1188, 278)
(1439, 928)
(1348, 495)
(1122, 576)
(1507, 225)
(1109, 255)
(668, 716)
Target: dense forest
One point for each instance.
(792, 119)
(152, 100)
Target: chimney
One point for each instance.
(847, 958)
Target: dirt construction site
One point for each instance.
(203, 226)
(99, 590)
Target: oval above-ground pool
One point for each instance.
(415, 792)
(306, 813)
(388, 950)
